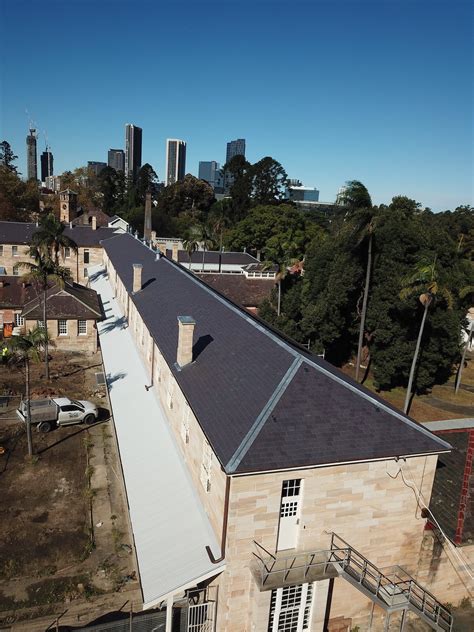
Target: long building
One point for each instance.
(133, 151)
(175, 160)
(264, 485)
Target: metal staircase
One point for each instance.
(392, 593)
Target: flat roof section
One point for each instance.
(170, 526)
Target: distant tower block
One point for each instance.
(147, 229)
(31, 165)
(67, 205)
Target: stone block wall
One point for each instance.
(75, 262)
(376, 514)
(72, 341)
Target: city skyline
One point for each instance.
(386, 96)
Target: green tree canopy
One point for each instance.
(269, 181)
(7, 157)
(280, 233)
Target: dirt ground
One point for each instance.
(64, 535)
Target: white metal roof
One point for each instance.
(170, 526)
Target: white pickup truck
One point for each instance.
(59, 411)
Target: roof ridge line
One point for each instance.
(266, 411)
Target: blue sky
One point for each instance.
(377, 91)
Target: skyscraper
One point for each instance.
(116, 159)
(133, 151)
(235, 148)
(175, 160)
(46, 161)
(31, 164)
(95, 166)
(209, 171)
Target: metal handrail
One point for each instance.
(363, 571)
(430, 606)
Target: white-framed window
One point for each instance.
(206, 466)
(290, 608)
(86, 256)
(15, 251)
(82, 327)
(85, 273)
(40, 324)
(16, 271)
(67, 253)
(185, 424)
(19, 321)
(62, 327)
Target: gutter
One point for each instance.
(224, 526)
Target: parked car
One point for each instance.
(58, 411)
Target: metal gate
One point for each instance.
(201, 617)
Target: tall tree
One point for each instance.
(191, 243)
(50, 239)
(238, 183)
(7, 157)
(424, 283)
(44, 274)
(269, 181)
(146, 181)
(357, 201)
(204, 236)
(22, 350)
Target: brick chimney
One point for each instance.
(174, 251)
(94, 222)
(147, 226)
(137, 277)
(185, 340)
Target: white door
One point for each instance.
(289, 514)
(290, 609)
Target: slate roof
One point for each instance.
(70, 302)
(239, 289)
(212, 256)
(452, 497)
(15, 293)
(84, 217)
(21, 233)
(262, 401)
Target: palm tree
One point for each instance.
(50, 239)
(424, 283)
(44, 274)
(24, 349)
(355, 197)
(204, 237)
(191, 244)
(218, 225)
